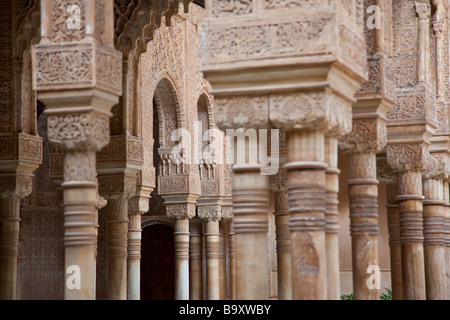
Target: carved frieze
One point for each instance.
(77, 66)
(232, 8)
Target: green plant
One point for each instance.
(386, 296)
(347, 297)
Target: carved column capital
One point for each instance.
(180, 206)
(368, 135)
(385, 173)
(138, 205)
(101, 202)
(278, 181)
(15, 185)
(78, 131)
(212, 212)
(242, 112)
(112, 187)
(437, 166)
(227, 212)
(407, 157)
(422, 10)
(306, 110)
(120, 149)
(438, 28)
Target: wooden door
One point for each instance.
(157, 263)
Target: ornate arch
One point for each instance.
(207, 98)
(169, 110)
(148, 221)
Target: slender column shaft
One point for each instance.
(447, 235)
(134, 257)
(181, 243)
(422, 32)
(9, 246)
(223, 259)
(231, 246)
(80, 227)
(438, 29)
(434, 242)
(283, 239)
(195, 261)
(331, 216)
(393, 216)
(117, 231)
(363, 197)
(250, 210)
(306, 193)
(212, 259)
(411, 235)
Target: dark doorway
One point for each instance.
(157, 263)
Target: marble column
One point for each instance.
(447, 233)
(331, 217)
(362, 145)
(117, 221)
(434, 220)
(223, 249)
(211, 214)
(409, 161)
(12, 189)
(282, 235)
(182, 209)
(232, 246)
(393, 216)
(283, 239)
(137, 206)
(388, 177)
(195, 260)
(250, 211)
